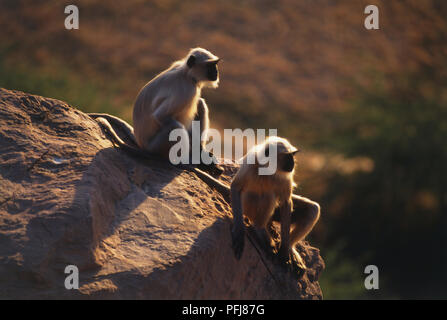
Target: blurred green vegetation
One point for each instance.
(398, 210)
(367, 107)
(343, 277)
(58, 81)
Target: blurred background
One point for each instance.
(367, 107)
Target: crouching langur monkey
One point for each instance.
(172, 100)
(267, 198)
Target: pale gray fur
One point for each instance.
(258, 196)
(172, 95)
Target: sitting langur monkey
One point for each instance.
(170, 101)
(266, 198)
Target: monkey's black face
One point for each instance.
(287, 162)
(212, 72)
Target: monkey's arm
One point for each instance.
(305, 215)
(285, 216)
(202, 116)
(238, 231)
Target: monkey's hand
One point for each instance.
(237, 238)
(297, 260)
(292, 261)
(213, 168)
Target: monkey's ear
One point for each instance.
(191, 61)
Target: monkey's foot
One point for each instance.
(292, 263)
(296, 258)
(298, 265)
(213, 169)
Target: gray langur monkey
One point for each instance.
(172, 100)
(247, 193)
(267, 198)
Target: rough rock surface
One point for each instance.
(134, 228)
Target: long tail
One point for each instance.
(117, 122)
(220, 187)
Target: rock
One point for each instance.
(134, 228)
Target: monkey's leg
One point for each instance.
(285, 211)
(203, 116)
(160, 143)
(305, 215)
(304, 218)
(258, 208)
(238, 230)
